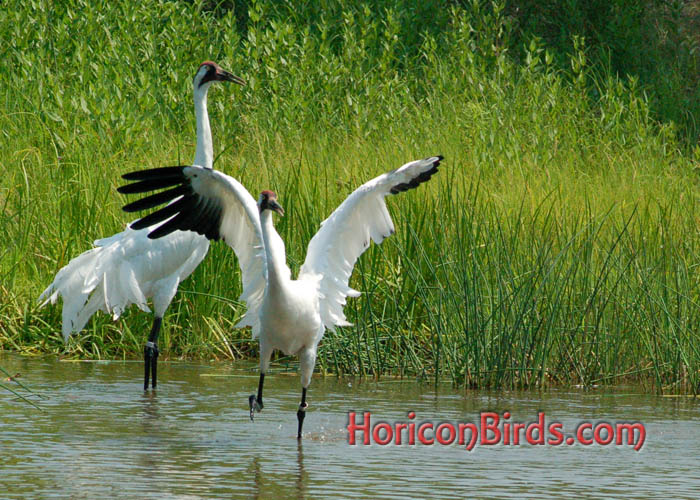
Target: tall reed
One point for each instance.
(558, 245)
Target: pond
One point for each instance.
(100, 435)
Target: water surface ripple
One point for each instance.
(100, 435)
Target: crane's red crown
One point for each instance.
(209, 63)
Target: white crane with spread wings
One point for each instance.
(285, 314)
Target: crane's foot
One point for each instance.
(255, 405)
(150, 354)
(301, 413)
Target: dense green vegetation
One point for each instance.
(558, 245)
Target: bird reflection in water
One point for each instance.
(150, 414)
(150, 409)
(262, 487)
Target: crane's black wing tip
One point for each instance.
(436, 163)
(419, 179)
(186, 210)
(157, 199)
(152, 179)
(154, 173)
(191, 213)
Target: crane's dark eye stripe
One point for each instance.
(209, 76)
(265, 200)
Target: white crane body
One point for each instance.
(130, 268)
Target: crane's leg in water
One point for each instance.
(301, 412)
(256, 403)
(150, 353)
(307, 361)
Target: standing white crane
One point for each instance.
(285, 314)
(128, 267)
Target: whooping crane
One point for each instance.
(285, 314)
(128, 267)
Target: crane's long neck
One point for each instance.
(277, 271)
(204, 155)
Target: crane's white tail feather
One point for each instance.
(98, 279)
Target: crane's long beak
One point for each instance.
(276, 207)
(225, 76)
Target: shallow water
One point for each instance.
(100, 435)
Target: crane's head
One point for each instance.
(268, 201)
(210, 72)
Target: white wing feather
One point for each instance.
(240, 229)
(345, 235)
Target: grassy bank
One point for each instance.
(558, 245)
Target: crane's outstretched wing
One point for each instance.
(212, 204)
(345, 235)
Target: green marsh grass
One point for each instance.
(557, 245)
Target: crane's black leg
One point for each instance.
(150, 354)
(256, 404)
(301, 413)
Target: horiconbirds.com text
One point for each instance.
(492, 429)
